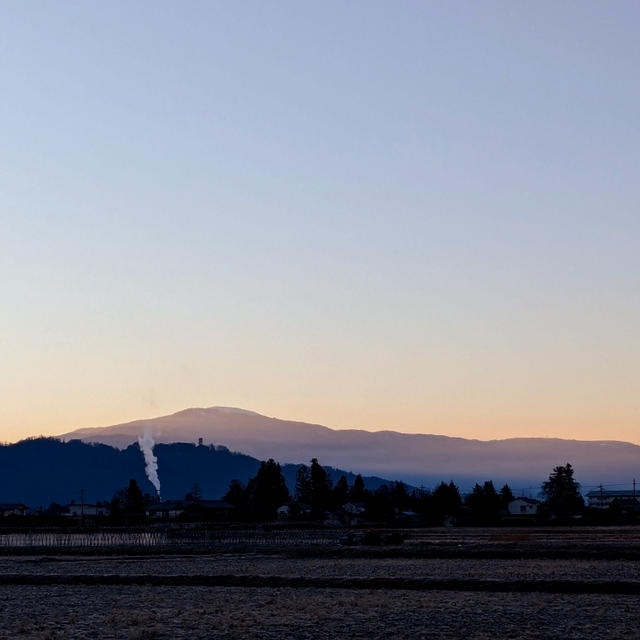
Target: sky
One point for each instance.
(420, 216)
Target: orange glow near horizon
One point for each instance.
(494, 427)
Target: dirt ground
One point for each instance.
(117, 612)
(174, 608)
(282, 565)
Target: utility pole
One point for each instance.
(82, 503)
(601, 498)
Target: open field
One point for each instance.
(200, 612)
(328, 591)
(257, 564)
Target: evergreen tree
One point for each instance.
(320, 487)
(340, 492)
(422, 503)
(357, 492)
(238, 498)
(562, 493)
(506, 496)
(115, 509)
(379, 505)
(133, 500)
(446, 500)
(303, 485)
(484, 503)
(400, 496)
(267, 491)
(127, 503)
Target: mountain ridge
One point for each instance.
(247, 412)
(414, 458)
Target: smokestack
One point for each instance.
(151, 462)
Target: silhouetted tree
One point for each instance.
(267, 490)
(484, 503)
(133, 499)
(303, 485)
(422, 503)
(506, 496)
(115, 509)
(357, 492)
(562, 493)
(446, 500)
(54, 509)
(320, 488)
(127, 503)
(194, 494)
(340, 492)
(238, 498)
(379, 505)
(400, 496)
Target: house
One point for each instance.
(354, 508)
(75, 510)
(353, 512)
(168, 510)
(191, 510)
(523, 507)
(602, 498)
(12, 509)
(283, 512)
(408, 517)
(293, 510)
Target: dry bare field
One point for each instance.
(199, 612)
(257, 564)
(329, 592)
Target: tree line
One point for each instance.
(266, 497)
(316, 498)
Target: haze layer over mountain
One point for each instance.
(414, 458)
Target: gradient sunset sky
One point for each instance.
(422, 216)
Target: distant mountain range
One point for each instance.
(39, 471)
(418, 459)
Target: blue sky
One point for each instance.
(420, 216)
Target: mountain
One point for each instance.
(414, 458)
(39, 471)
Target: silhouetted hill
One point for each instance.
(43, 470)
(414, 458)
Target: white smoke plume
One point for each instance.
(151, 462)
